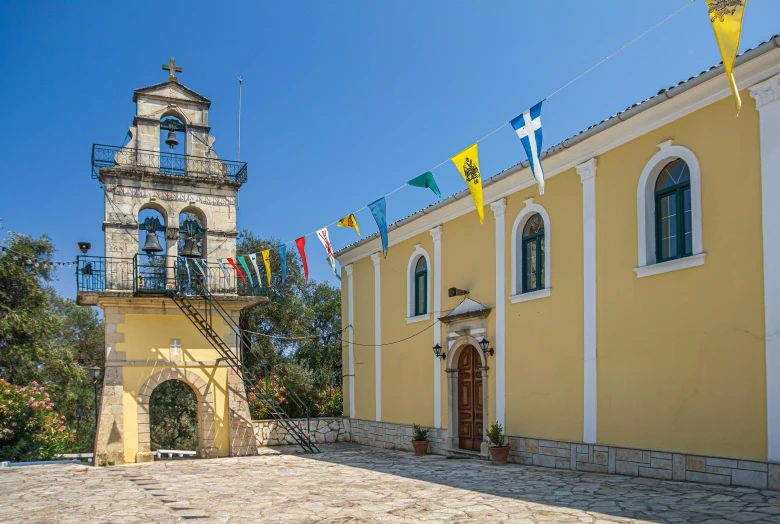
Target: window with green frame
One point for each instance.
(533, 254)
(421, 287)
(673, 219)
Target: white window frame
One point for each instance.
(418, 253)
(645, 205)
(528, 211)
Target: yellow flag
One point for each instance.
(467, 163)
(726, 18)
(267, 261)
(349, 221)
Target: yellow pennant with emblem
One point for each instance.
(726, 18)
(267, 261)
(349, 221)
(467, 163)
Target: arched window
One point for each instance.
(418, 286)
(421, 287)
(669, 213)
(533, 254)
(673, 217)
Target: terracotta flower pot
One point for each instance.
(499, 454)
(420, 447)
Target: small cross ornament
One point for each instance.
(172, 70)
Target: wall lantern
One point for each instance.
(438, 353)
(484, 345)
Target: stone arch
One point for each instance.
(456, 348)
(206, 428)
(156, 206)
(177, 113)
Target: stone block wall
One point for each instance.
(389, 435)
(327, 429)
(644, 463)
(576, 456)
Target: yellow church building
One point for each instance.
(626, 321)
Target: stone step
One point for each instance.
(465, 454)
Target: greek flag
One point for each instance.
(528, 127)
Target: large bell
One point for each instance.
(171, 140)
(191, 249)
(152, 244)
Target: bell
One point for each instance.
(171, 140)
(152, 244)
(87, 269)
(191, 249)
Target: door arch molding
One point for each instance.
(453, 356)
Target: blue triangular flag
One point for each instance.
(379, 210)
(283, 260)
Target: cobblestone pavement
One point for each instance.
(350, 483)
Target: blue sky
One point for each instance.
(343, 100)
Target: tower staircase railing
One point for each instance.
(203, 320)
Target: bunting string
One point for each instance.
(529, 131)
(33, 261)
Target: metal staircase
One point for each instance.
(203, 321)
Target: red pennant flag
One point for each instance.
(232, 263)
(301, 243)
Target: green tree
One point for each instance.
(173, 416)
(297, 333)
(45, 338)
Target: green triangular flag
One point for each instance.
(426, 180)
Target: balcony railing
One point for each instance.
(167, 163)
(147, 274)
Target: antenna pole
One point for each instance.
(240, 84)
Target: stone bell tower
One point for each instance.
(182, 190)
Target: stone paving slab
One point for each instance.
(350, 483)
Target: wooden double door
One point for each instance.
(469, 399)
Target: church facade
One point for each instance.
(627, 321)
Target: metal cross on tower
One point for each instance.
(172, 70)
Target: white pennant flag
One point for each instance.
(322, 234)
(253, 258)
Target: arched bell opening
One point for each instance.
(150, 264)
(173, 417)
(173, 138)
(192, 233)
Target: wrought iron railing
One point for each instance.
(145, 274)
(167, 163)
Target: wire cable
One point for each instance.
(575, 79)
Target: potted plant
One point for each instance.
(498, 452)
(420, 440)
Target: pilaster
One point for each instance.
(767, 96)
(376, 257)
(350, 334)
(587, 172)
(499, 211)
(436, 235)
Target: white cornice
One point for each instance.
(766, 92)
(498, 207)
(587, 170)
(519, 177)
